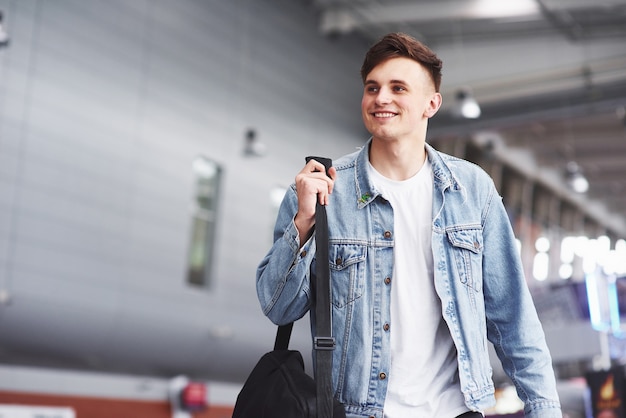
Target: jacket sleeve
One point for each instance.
(512, 322)
(283, 276)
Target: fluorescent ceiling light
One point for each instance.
(503, 9)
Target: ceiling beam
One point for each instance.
(535, 109)
(582, 4)
(606, 159)
(608, 176)
(345, 18)
(340, 17)
(607, 137)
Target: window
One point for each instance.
(541, 264)
(207, 175)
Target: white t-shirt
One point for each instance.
(423, 380)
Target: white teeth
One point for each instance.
(384, 115)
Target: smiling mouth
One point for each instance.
(384, 114)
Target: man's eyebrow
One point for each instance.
(390, 82)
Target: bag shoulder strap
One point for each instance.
(283, 334)
(323, 341)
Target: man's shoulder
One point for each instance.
(465, 173)
(459, 164)
(346, 162)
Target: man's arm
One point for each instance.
(512, 322)
(283, 276)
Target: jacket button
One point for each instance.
(476, 245)
(387, 234)
(382, 376)
(338, 261)
(387, 280)
(303, 253)
(386, 327)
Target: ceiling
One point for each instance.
(564, 104)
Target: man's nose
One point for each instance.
(383, 97)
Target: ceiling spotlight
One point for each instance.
(575, 178)
(466, 106)
(4, 36)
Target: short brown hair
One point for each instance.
(396, 45)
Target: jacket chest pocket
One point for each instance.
(467, 246)
(347, 264)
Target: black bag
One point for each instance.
(278, 386)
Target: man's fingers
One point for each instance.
(313, 185)
(315, 166)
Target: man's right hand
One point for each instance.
(312, 185)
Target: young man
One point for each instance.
(424, 266)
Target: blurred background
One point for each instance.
(145, 146)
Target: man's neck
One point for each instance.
(397, 160)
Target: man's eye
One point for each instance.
(399, 88)
(372, 89)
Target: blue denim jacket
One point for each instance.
(478, 277)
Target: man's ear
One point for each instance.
(433, 105)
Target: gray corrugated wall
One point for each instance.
(103, 107)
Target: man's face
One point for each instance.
(398, 98)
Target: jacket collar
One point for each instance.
(444, 177)
(366, 192)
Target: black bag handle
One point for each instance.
(323, 341)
